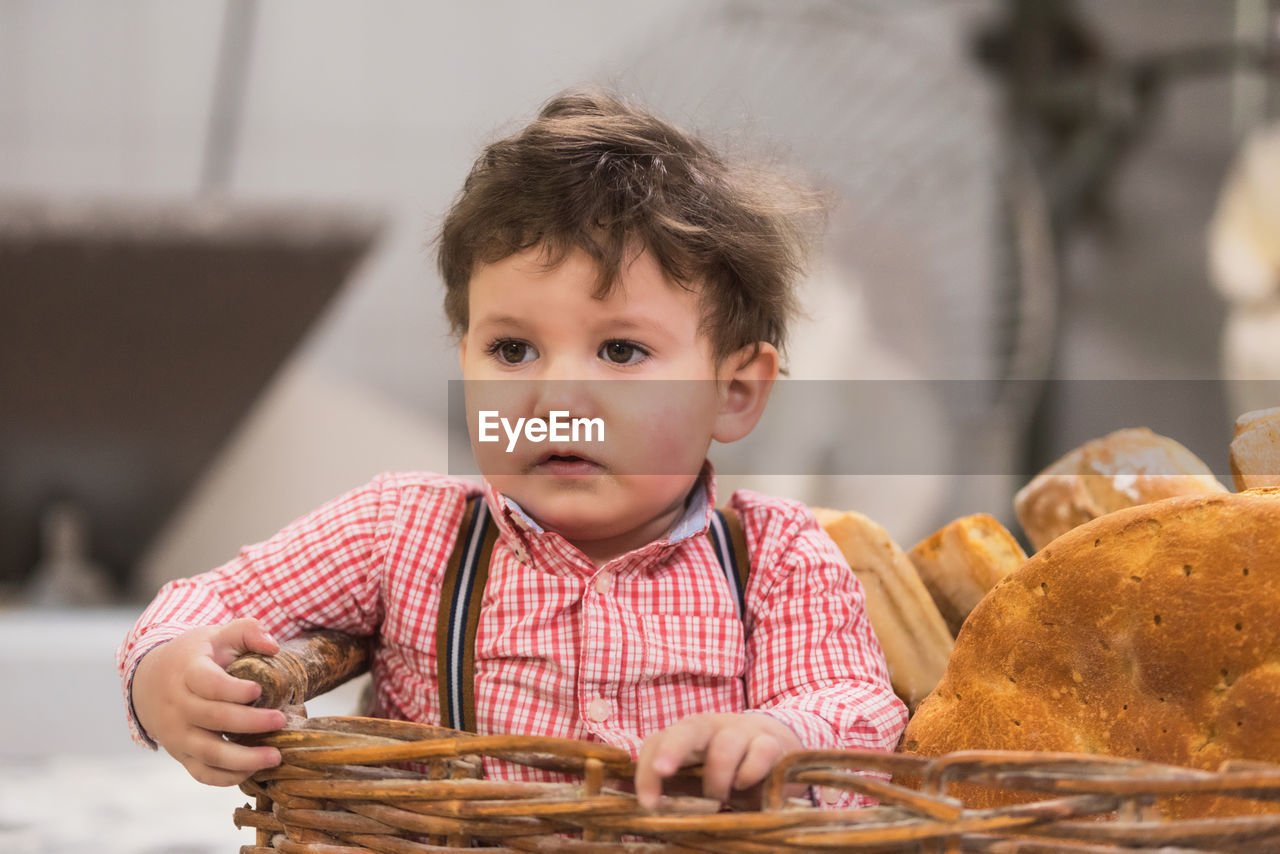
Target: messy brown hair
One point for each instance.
(596, 173)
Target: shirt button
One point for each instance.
(831, 797)
(598, 711)
(604, 582)
(520, 552)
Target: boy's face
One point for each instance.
(539, 341)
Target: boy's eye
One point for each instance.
(622, 352)
(512, 352)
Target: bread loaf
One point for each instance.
(960, 562)
(1122, 469)
(911, 631)
(1149, 633)
(1255, 450)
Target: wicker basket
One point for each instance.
(353, 785)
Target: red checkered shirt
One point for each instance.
(565, 648)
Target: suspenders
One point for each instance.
(460, 596)
(463, 589)
(730, 544)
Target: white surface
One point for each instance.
(61, 693)
(139, 803)
(63, 697)
(71, 780)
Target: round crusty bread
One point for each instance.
(1122, 469)
(1150, 633)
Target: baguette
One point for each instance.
(911, 631)
(960, 562)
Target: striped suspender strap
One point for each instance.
(463, 590)
(460, 597)
(730, 545)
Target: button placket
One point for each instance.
(596, 630)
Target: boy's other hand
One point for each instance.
(185, 700)
(736, 751)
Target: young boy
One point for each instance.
(599, 244)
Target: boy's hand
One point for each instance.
(185, 699)
(735, 750)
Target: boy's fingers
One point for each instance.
(207, 680)
(215, 752)
(661, 755)
(200, 746)
(683, 745)
(725, 752)
(241, 636)
(648, 779)
(233, 717)
(762, 753)
(214, 776)
(648, 784)
(202, 773)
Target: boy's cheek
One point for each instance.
(490, 458)
(502, 398)
(668, 440)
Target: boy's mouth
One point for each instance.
(565, 462)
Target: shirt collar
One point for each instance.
(697, 512)
(514, 522)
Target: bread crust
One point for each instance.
(1149, 633)
(1122, 469)
(964, 559)
(1255, 450)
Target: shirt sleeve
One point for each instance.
(324, 569)
(813, 661)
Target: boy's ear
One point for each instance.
(462, 353)
(745, 384)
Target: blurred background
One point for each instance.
(219, 307)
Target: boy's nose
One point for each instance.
(575, 396)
